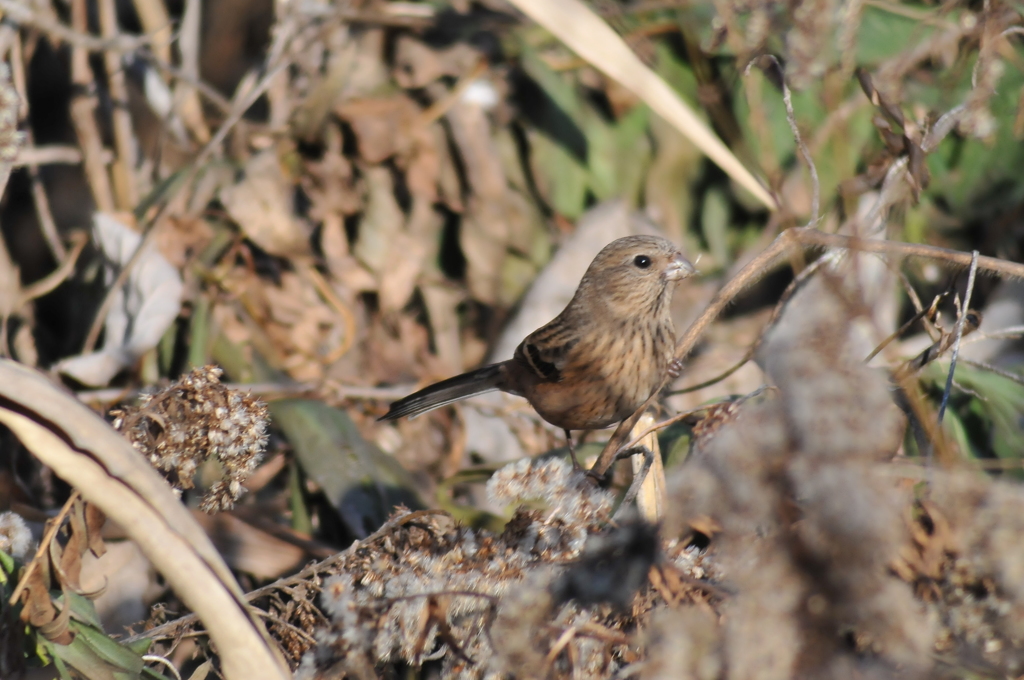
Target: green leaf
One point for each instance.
(82, 609)
(7, 566)
(980, 176)
(62, 669)
(884, 34)
(631, 151)
(107, 649)
(562, 93)
(362, 482)
(955, 426)
(714, 222)
(559, 148)
(986, 410)
(1001, 406)
(561, 179)
(140, 647)
(95, 655)
(674, 441)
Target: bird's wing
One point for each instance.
(545, 354)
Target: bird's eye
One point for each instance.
(642, 261)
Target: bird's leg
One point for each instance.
(572, 451)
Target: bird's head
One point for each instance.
(635, 272)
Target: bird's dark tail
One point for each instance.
(481, 380)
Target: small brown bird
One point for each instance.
(597, 361)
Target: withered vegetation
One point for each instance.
(332, 203)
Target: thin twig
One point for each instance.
(238, 110)
(21, 12)
(49, 282)
(438, 109)
(83, 115)
(915, 300)
(1010, 332)
(902, 329)
(154, 658)
(665, 423)
(352, 16)
(1002, 373)
(44, 546)
(125, 185)
(787, 100)
(959, 333)
(204, 88)
(51, 154)
(42, 204)
(284, 624)
(718, 378)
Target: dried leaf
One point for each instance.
(262, 205)
(417, 65)
(142, 310)
(382, 221)
(383, 127)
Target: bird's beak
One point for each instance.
(679, 268)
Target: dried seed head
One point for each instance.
(193, 420)
(15, 537)
(10, 138)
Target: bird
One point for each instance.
(600, 359)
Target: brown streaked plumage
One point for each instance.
(595, 363)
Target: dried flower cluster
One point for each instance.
(486, 605)
(10, 138)
(193, 420)
(15, 537)
(972, 529)
(574, 507)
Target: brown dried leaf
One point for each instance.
(382, 222)
(417, 65)
(262, 206)
(411, 250)
(38, 607)
(250, 549)
(423, 170)
(383, 127)
(70, 558)
(330, 182)
(181, 237)
(486, 229)
(94, 521)
(442, 302)
(57, 630)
